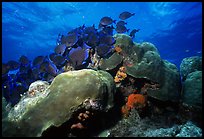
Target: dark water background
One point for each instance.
(31, 28)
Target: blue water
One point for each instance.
(31, 28)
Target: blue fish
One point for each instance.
(24, 60)
(103, 50)
(78, 56)
(13, 65)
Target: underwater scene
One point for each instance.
(102, 69)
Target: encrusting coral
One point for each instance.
(137, 101)
(82, 117)
(120, 75)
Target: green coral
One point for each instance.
(110, 63)
(66, 93)
(192, 89)
(147, 63)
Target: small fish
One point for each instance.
(103, 49)
(108, 39)
(125, 15)
(59, 60)
(121, 23)
(78, 56)
(38, 60)
(49, 67)
(108, 30)
(47, 77)
(24, 60)
(52, 56)
(107, 21)
(187, 50)
(60, 49)
(71, 39)
(121, 29)
(63, 39)
(92, 39)
(13, 65)
(91, 29)
(36, 73)
(132, 33)
(100, 26)
(78, 30)
(24, 69)
(85, 46)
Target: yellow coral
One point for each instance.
(120, 75)
(118, 49)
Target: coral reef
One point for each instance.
(192, 89)
(185, 130)
(37, 87)
(132, 79)
(134, 126)
(95, 60)
(81, 118)
(112, 62)
(66, 94)
(143, 61)
(190, 64)
(118, 49)
(120, 75)
(135, 101)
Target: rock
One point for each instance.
(186, 130)
(192, 89)
(65, 95)
(189, 130)
(134, 126)
(190, 64)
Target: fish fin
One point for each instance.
(114, 21)
(128, 30)
(83, 26)
(86, 54)
(112, 27)
(133, 14)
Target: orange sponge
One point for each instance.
(136, 100)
